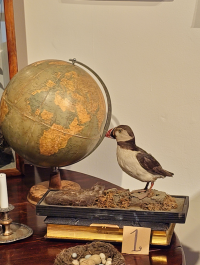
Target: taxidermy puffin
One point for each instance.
(135, 161)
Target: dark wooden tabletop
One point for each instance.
(38, 250)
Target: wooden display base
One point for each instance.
(37, 191)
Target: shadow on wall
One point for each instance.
(191, 256)
(196, 18)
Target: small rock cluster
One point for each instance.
(92, 260)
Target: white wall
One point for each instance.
(148, 54)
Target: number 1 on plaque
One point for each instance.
(136, 240)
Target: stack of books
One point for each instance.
(96, 229)
(106, 224)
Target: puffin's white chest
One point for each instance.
(129, 163)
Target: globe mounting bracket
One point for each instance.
(109, 106)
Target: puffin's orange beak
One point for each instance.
(109, 134)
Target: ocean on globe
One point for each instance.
(52, 113)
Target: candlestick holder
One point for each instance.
(10, 231)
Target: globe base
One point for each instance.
(37, 191)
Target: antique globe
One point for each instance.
(53, 113)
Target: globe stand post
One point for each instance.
(55, 179)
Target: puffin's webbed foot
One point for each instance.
(143, 190)
(142, 193)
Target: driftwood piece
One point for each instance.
(75, 198)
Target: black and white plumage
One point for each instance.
(133, 160)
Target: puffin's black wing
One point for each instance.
(148, 162)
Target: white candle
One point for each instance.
(3, 191)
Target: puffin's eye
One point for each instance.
(120, 130)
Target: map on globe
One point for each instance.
(52, 113)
